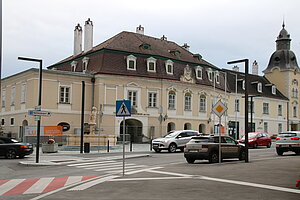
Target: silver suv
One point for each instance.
(173, 140)
(288, 141)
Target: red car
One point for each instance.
(257, 139)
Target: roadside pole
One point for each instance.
(219, 109)
(123, 109)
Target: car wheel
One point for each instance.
(157, 150)
(255, 145)
(11, 154)
(279, 152)
(242, 155)
(214, 157)
(269, 145)
(190, 160)
(172, 148)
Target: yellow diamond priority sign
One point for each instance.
(219, 108)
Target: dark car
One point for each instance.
(207, 148)
(11, 148)
(257, 139)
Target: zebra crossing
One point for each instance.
(38, 185)
(105, 166)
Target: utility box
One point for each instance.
(86, 147)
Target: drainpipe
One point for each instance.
(93, 91)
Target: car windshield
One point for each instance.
(250, 135)
(171, 134)
(287, 134)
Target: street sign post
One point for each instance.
(219, 109)
(123, 109)
(43, 113)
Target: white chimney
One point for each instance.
(77, 40)
(140, 30)
(255, 68)
(236, 68)
(88, 35)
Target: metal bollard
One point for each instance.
(151, 145)
(107, 145)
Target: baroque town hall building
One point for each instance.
(169, 88)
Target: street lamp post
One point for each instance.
(246, 61)
(39, 104)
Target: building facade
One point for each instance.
(169, 88)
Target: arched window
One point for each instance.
(187, 126)
(171, 126)
(202, 128)
(171, 103)
(202, 103)
(188, 101)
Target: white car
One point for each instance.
(288, 141)
(173, 140)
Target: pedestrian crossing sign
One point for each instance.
(123, 108)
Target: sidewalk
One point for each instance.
(61, 157)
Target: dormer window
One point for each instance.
(273, 89)
(217, 77)
(175, 52)
(151, 64)
(85, 62)
(199, 72)
(131, 62)
(259, 87)
(169, 67)
(210, 75)
(73, 66)
(145, 46)
(243, 85)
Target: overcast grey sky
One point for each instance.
(219, 30)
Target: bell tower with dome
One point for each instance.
(284, 72)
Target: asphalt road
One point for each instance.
(168, 176)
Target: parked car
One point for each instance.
(257, 139)
(207, 148)
(288, 141)
(173, 140)
(11, 148)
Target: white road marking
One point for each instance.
(270, 187)
(39, 186)
(10, 185)
(145, 179)
(92, 163)
(116, 168)
(92, 183)
(142, 170)
(105, 166)
(73, 179)
(170, 173)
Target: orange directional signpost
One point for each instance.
(219, 109)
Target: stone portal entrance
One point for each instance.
(134, 130)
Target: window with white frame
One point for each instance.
(295, 113)
(296, 92)
(85, 62)
(131, 62)
(265, 127)
(249, 106)
(279, 127)
(259, 87)
(273, 89)
(169, 67)
(152, 98)
(23, 93)
(64, 94)
(73, 65)
(266, 108)
(171, 102)
(3, 97)
(237, 105)
(12, 121)
(217, 77)
(151, 64)
(188, 101)
(210, 75)
(132, 96)
(13, 95)
(202, 103)
(243, 85)
(199, 72)
(279, 110)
